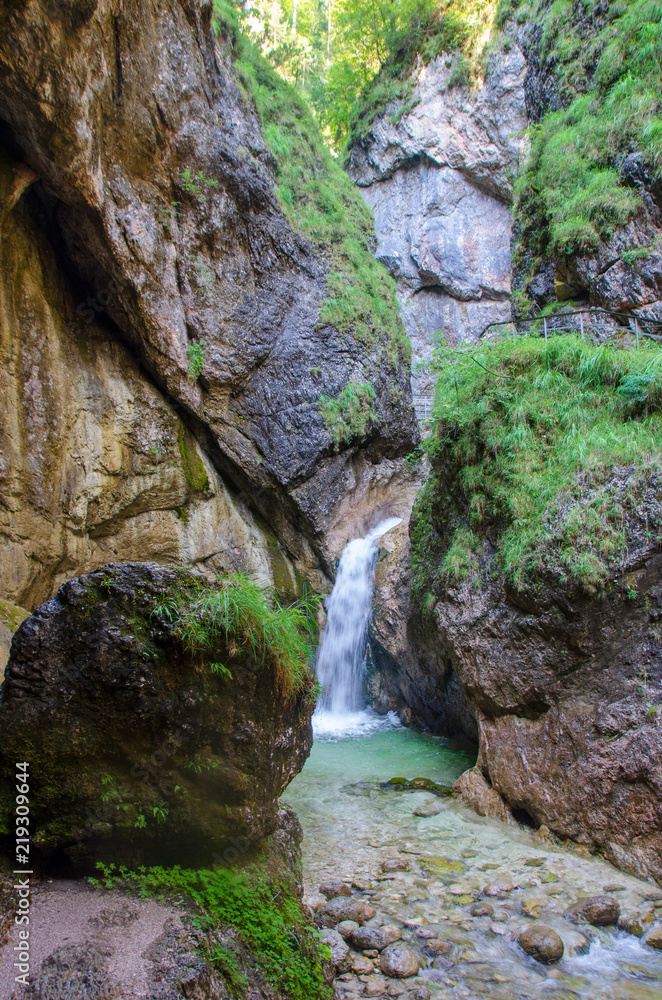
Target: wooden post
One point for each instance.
(636, 331)
(581, 324)
(544, 322)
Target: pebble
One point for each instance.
(429, 809)
(362, 965)
(347, 927)
(399, 961)
(361, 885)
(613, 887)
(499, 888)
(369, 911)
(395, 865)
(535, 862)
(601, 911)
(392, 932)
(482, 909)
(314, 900)
(375, 986)
(541, 943)
(438, 947)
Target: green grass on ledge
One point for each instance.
(544, 448)
(239, 615)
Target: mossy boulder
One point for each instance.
(142, 750)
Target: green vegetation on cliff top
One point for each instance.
(320, 202)
(606, 65)
(544, 449)
(264, 912)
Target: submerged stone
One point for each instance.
(601, 911)
(541, 943)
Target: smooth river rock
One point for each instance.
(340, 954)
(601, 911)
(339, 909)
(399, 961)
(369, 937)
(541, 943)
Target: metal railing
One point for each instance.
(546, 325)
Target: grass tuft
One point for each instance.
(241, 616)
(349, 415)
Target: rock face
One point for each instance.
(139, 753)
(564, 691)
(440, 184)
(139, 224)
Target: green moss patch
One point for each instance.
(264, 911)
(11, 615)
(550, 451)
(194, 470)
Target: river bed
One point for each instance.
(453, 859)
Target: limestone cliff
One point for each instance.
(438, 173)
(163, 355)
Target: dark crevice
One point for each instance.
(119, 76)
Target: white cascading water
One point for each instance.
(341, 653)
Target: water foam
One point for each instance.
(341, 654)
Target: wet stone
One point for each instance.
(482, 909)
(314, 900)
(347, 927)
(395, 865)
(392, 932)
(375, 986)
(438, 947)
(499, 888)
(541, 943)
(332, 889)
(366, 938)
(399, 961)
(361, 965)
(428, 809)
(339, 909)
(654, 938)
(601, 911)
(636, 923)
(339, 950)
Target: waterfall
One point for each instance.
(341, 654)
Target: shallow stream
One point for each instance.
(352, 825)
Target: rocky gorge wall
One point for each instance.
(560, 691)
(438, 172)
(141, 235)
